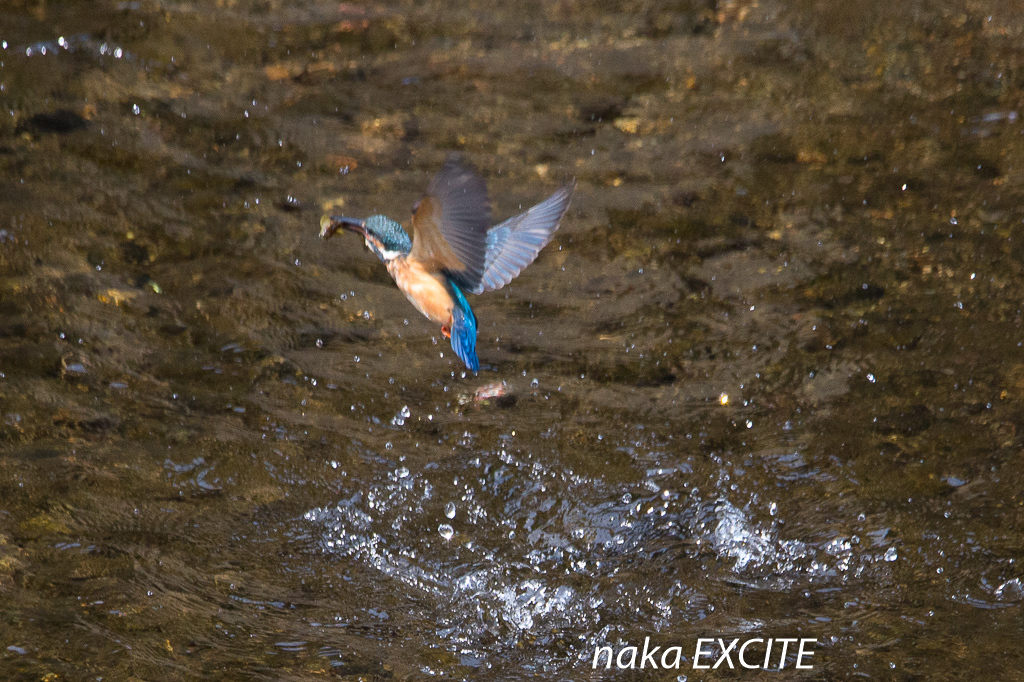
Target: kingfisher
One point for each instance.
(454, 249)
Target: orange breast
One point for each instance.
(425, 290)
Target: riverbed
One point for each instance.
(765, 382)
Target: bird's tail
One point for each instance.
(464, 330)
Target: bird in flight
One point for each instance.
(454, 250)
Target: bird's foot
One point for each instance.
(446, 332)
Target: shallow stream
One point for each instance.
(765, 382)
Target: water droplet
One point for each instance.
(449, 510)
(401, 472)
(890, 554)
(534, 384)
(403, 414)
(135, 109)
(446, 531)
(319, 343)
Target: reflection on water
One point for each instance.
(765, 381)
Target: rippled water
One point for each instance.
(765, 382)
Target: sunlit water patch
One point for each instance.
(513, 551)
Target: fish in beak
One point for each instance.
(330, 224)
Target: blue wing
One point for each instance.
(515, 243)
(464, 329)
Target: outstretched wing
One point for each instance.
(515, 243)
(450, 224)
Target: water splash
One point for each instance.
(556, 552)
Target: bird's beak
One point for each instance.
(330, 224)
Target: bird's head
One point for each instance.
(385, 237)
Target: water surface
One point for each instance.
(766, 380)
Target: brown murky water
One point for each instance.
(767, 380)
